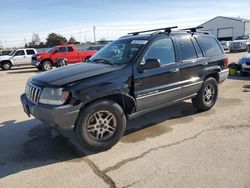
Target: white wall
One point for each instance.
(247, 28)
(220, 22)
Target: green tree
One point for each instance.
(54, 39)
(72, 40)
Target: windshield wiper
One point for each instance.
(104, 61)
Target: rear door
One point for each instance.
(157, 86)
(191, 61)
(20, 57)
(30, 53)
(72, 55)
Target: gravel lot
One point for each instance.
(171, 147)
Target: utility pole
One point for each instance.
(94, 34)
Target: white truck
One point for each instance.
(16, 58)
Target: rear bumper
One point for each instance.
(63, 116)
(223, 75)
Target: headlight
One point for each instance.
(53, 96)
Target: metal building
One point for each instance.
(226, 28)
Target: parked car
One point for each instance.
(5, 52)
(225, 44)
(244, 64)
(97, 47)
(46, 60)
(241, 43)
(130, 76)
(17, 58)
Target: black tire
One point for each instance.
(248, 48)
(6, 66)
(89, 130)
(243, 73)
(46, 66)
(204, 101)
(39, 68)
(87, 58)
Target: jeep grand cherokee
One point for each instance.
(130, 76)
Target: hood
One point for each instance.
(71, 73)
(5, 57)
(246, 57)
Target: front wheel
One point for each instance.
(101, 125)
(207, 95)
(6, 66)
(46, 65)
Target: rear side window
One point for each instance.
(186, 48)
(30, 52)
(163, 50)
(70, 49)
(197, 48)
(210, 46)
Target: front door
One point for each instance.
(19, 58)
(157, 86)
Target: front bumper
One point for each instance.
(63, 116)
(237, 48)
(35, 63)
(244, 67)
(223, 75)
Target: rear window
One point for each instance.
(210, 46)
(186, 48)
(30, 52)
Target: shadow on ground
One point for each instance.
(31, 144)
(238, 77)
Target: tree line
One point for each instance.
(54, 39)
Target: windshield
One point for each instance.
(242, 38)
(12, 53)
(50, 50)
(118, 52)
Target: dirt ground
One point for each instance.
(171, 147)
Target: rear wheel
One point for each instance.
(207, 95)
(100, 126)
(6, 66)
(46, 65)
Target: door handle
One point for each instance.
(174, 70)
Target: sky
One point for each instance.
(112, 18)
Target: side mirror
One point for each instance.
(149, 64)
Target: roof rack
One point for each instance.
(166, 29)
(193, 29)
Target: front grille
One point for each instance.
(248, 63)
(33, 92)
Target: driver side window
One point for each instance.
(19, 53)
(163, 50)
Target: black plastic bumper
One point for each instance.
(63, 116)
(223, 75)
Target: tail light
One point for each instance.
(226, 61)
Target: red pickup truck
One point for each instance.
(46, 60)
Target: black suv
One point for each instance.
(130, 76)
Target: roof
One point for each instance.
(157, 34)
(230, 18)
